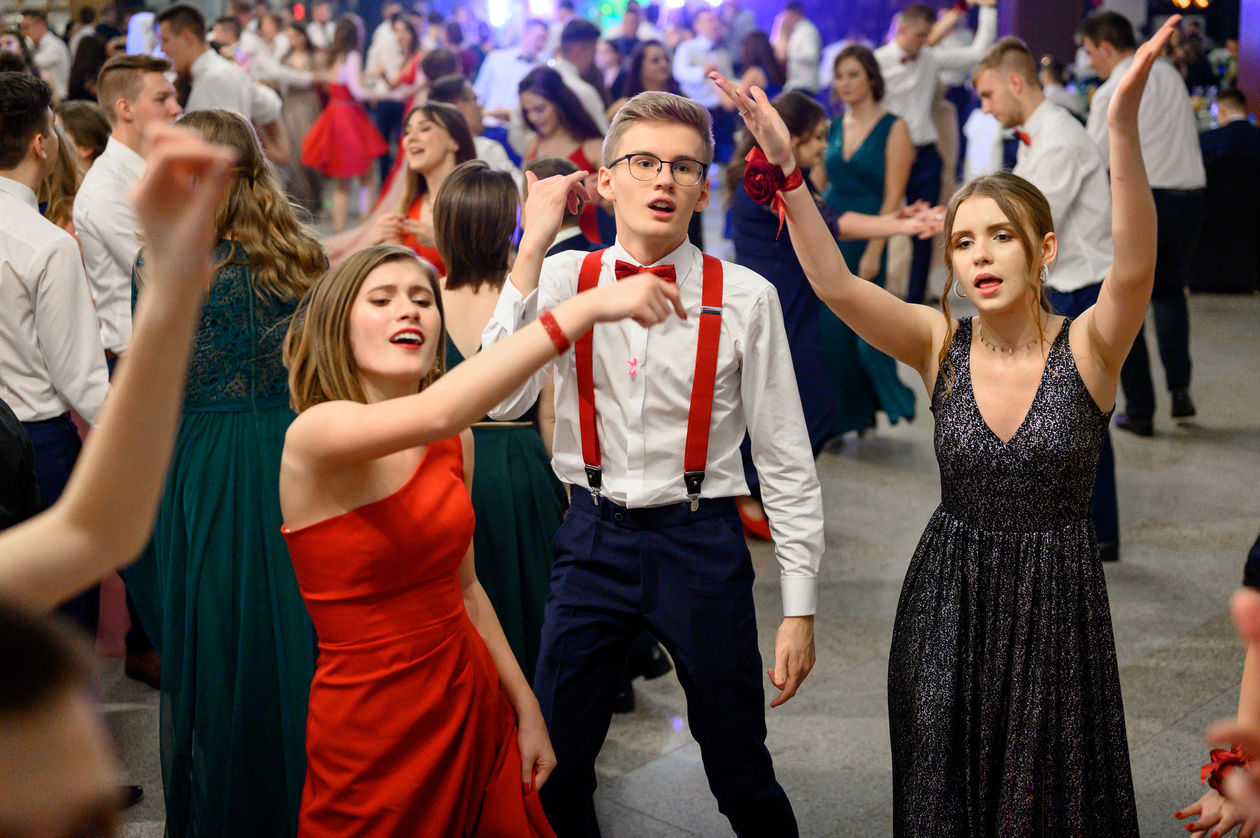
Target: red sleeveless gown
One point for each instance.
(409, 733)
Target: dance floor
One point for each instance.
(1188, 515)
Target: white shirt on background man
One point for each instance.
(690, 59)
(217, 82)
(106, 226)
(642, 419)
(51, 358)
(1166, 122)
(498, 80)
(1064, 164)
(588, 95)
(910, 83)
(52, 58)
(804, 52)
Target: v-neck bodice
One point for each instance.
(1043, 476)
(856, 184)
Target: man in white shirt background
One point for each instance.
(51, 359)
(1174, 167)
(216, 82)
(321, 25)
(51, 56)
(1057, 156)
(575, 62)
(501, 72)
(456, 90)
(694, 59)
(910, 68)
(384, 59)
(799, 46)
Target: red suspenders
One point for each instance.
(699, 416)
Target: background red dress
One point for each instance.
(409, 732)
(343, 142)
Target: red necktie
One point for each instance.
(1022, 137)
(624, 269)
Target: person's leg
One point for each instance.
(388, 118)
(1180, 217)
(340, 204)
(590, 620)
(698, 583)
(1104, 506)
(924, 184)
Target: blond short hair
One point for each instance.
(656, 106)
(1010, 55)
(317, 350)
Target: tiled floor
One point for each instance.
(1189, 512)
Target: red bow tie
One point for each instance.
(1022, 137)
(906, 59)
(624, 269)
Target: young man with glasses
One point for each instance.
(648, 428)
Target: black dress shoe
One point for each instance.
(1142, 426)
(130, 795)
(651, 664)
(624, 702)
(1182, 404)
(1109, 551)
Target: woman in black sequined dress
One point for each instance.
(1003, 694)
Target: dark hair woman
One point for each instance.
(563, 128)
(648, 68)
(759, 65)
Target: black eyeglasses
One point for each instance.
(644, 166)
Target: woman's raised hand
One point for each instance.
(1123, 111)
(546, 204)
(761, 119)
(176, 201)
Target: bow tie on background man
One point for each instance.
(1022, 137)
(623, 269)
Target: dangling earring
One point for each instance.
(958, 289)
(1045, 274)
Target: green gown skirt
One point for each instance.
(217, 594)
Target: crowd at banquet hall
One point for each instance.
(627, 418)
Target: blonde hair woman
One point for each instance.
(216, 588)
(418, 706)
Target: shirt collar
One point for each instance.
(20, 191)
(128, 160)
(1036, 120)
(684, 258)
(565, 234)
(203, 63)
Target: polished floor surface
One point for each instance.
(1189, 512)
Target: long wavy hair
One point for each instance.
(284, 257)
(317, 348)
(59, 188)
(1030, 216)
(548, 84)
(347, 37)
(450, 120)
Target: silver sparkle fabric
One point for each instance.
(1003, 694)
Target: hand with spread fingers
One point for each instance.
(761, 119)
(1123, 112)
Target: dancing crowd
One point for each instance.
(395, 378)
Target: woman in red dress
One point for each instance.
(420, 722)
(343, 142)
(564, 129)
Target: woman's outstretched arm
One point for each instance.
(1114, 321)
(910, 333)
(104, 517)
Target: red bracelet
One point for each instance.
(764, 181)
(961, 6)
(548, 321)
(1222, 763)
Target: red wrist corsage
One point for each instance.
(1222, 763)
(763, 181)
(961, 6)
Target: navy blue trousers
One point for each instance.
(1180, 215)
(924, 184)
(687, 578)
(56, 444)
(1104, 506)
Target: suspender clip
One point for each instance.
(594, 476)
(693, 479)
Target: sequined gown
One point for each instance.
(1003, 693)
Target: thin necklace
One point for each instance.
(1009, 350)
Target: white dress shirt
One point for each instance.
(220, 83)
(1065, 98)
(265, 65)
(51, 358)
(52, 59)
(642, 419)
(496, 157)
(1166, 122)
(1063, 162)
(108, 235)
(910, 85)
(321, 34)
(589, 96)
(804, 49)
(690, 59)
(499, 79)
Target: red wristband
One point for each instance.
(548, 321)
(1222, 762)
(793, 180)
(961, 6)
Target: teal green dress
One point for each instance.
(215, 588)
(866, 379)
(519, 505)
